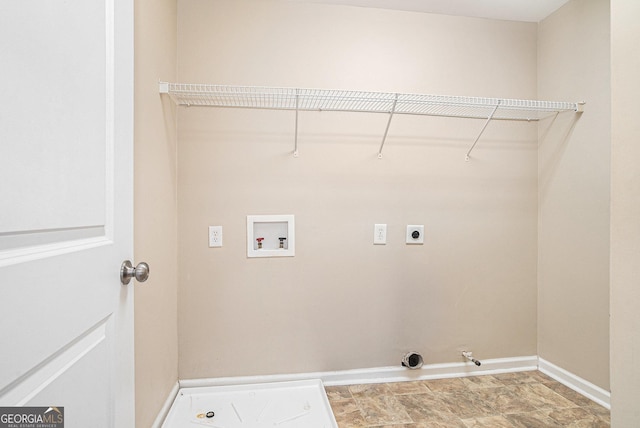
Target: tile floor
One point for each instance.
(511, 400)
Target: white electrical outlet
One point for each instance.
(215, 236)
(415, 234)
(380, 234)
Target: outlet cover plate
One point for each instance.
(379, 234)
(413, 228)
(215, 236)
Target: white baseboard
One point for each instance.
(430, 371)
(164, 411)
(381, 374)
(576, 383)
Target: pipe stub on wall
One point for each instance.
(412, 360)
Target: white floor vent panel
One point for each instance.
(283, 404)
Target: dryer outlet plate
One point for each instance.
(415, 234)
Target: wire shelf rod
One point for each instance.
(449, 115)
(386, 131)
(482, 131)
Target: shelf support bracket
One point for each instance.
(466, 158)
(163, 87)
(295, 147)
(386, 131)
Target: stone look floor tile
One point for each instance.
(385, 409)
(517, 378)
(347, 413)
(485, 381)
(532, 420)
(488, 422)
(430, 424)
(422, 407)
(403, 388)
(452, 423)
(542, 377)
(351, 420)
(337, 392)
(369, 390)
(597, 409)
(467, 404)
(576, 417)
(404, 426)
(445, 385)
(341, 407)
(505, 400)
(541, 397)
(512, 400)
(569, 394)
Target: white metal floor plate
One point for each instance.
(281, 404)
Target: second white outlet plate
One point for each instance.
(215, 236)
(379, 234)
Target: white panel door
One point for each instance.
(66, 135)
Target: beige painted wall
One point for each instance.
(574, 193)
(341, 302)
(625, 212)
(156, 342)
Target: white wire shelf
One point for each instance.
(298, 99)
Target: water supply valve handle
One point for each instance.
(469, 356)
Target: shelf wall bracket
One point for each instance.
(466, 158)
(386, 131)
(163, 87)
(295, 147)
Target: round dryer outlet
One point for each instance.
(415, 234)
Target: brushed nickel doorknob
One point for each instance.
(127, 271)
